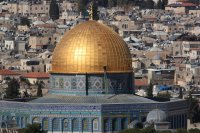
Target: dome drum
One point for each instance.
(91, 84)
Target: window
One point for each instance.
(95, 124)
(75, 126)
(106, 125)
(85, 125)
(123, 124)
(65, 124)
(45, 124)
(23, 123)
(56, 124)
(114, 125)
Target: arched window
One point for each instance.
(3, 117)
(36, 120)
(85, 125)
(106, 125)
(45, 124)
(26, 121)
(123, 124)
(114, 124)
(56, 124)
(23, 122)
(75, 126)
(65, 124)
(95, 124)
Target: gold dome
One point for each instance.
(88, 47)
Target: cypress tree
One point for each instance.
(54, 10)
(39, 90)
(150, 91)
(159, 4)
(12, 91)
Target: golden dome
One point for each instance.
(88, 47)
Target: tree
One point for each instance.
(194, 109)
(39, 89)
(164, 3)
(139, 125)
(34, 128)
(159, 4)
(12, 91)
(150, 90)
(82, 4)
(25, 21)
(180, 93)
(112, 3)
(194, 130)
(54, 10)
(181, 131)
(148, 4)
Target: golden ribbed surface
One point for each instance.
(88, 47)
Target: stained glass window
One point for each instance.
(56, 124)
(45, 124)
(106, 125)
(123, 124)
(114, 125)
(95, 124)
(85, 125)
(75, 126)
(65, 124)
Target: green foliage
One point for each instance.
(194, 109)
(139, 125)
(150, 129)
(180, 93)
(159, 4)
(39, 89)
(34, 128)
(150, 90)
(181, 131)
(82, 6)
(12, 91)
(134, 130)
(194, 131)
(25, 21)
(148, 4)
(54, 10)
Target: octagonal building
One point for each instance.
(92, 89)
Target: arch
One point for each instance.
(123, 124)
(23, 122)
(56, 124)
(65, 124)
(75, 124)
(3, 125)
(36, 120)
(106, 125)
(114, 124)
(95, 124)
(26, 121)
(85, 125)
(45, 124)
